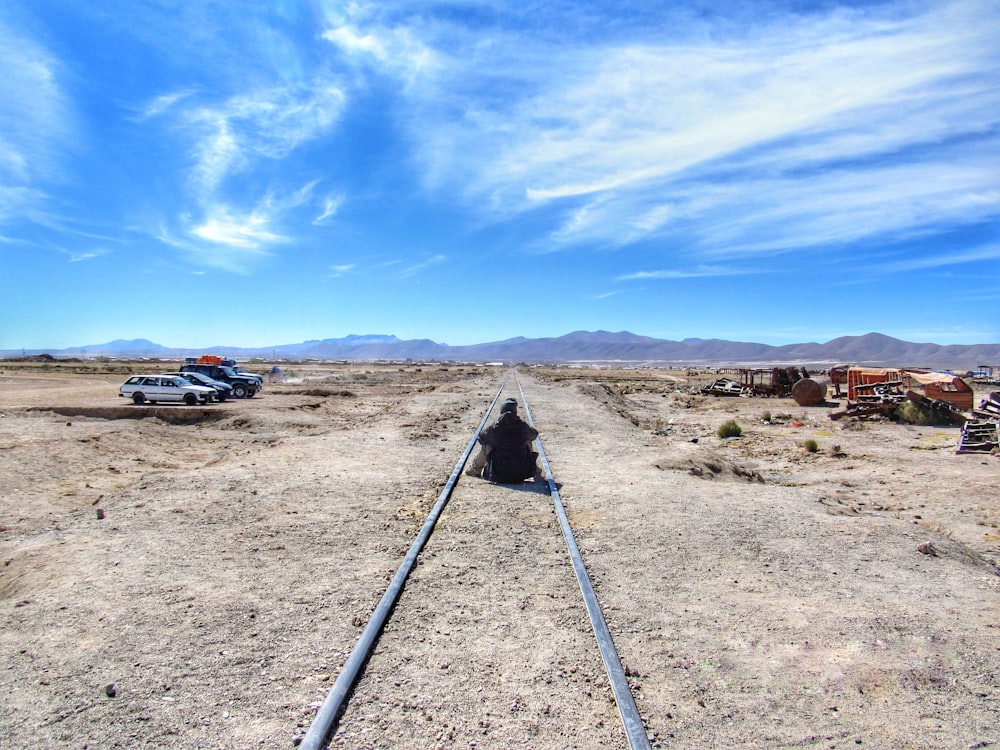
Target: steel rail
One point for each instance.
(631, 720)
(319, 731)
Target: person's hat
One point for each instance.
(508, 405)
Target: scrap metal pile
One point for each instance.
(989, 408)
(878, 392)
(873, 399)
(881, 393)
(724, 387)
(772, 381)
(942, 411)
(982, 434)
(884, 399)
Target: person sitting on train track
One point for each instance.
(505, 455)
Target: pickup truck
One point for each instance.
(244, 386)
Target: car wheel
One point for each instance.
(239, 390)
(220, 397)
(190, 399)
(138, 398)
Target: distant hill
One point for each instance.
(874, 349)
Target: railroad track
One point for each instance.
(333, 707)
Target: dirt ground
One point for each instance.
(194, 577)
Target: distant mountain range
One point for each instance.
(578, 347)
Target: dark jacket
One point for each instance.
(511, 458)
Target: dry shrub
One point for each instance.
(911, 412)
(729, 429)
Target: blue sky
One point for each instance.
(207, 172)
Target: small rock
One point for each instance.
(100, 514)
(927, 548)
(110, 690)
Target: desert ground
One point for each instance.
(195, 577)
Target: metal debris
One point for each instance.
(989, 408)
(723, 387)
(978, 436)
(981, 434)
(764, 381)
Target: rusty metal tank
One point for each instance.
(807, 392)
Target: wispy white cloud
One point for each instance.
(626, 140)
(36, 124)
(353, 43)
(943, 257)
(233, 237)
(78, 256)
(652, 112)
(20, 202)
(698, 272)
(985, 296)
(234, 248)
(269, 124)
(162, 103)
(330, 204)
(767, 213)
(842, 205)
(341, 270)
(423, 265)
(248, 232)
(232, 207)
(397, 51)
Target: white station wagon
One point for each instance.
(153, 388)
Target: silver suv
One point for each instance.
(153, 388)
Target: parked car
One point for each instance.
(223, 390)
(245, 373)
(255, 376)
(153, 388)
(243, 386)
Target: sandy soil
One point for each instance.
(194, 577)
